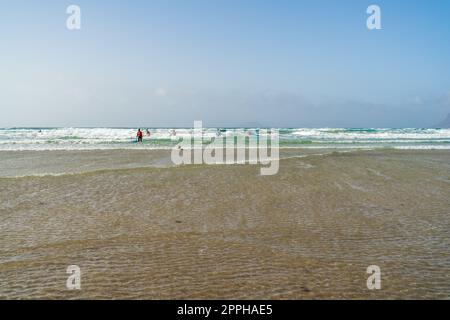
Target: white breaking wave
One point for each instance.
(166, 138)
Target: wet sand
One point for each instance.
(223, 232)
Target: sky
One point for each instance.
(166, 63)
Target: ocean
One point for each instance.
(165, 138)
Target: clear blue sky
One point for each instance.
(226, 62)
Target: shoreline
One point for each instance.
(17, 164)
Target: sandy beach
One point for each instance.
(139, 227)
(247, 151)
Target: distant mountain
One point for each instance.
(444, 124)
(241, 125)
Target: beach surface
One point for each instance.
(141, 228)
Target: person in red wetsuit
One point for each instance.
(139, 135)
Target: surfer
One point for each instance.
(139, 135)
(148, 133)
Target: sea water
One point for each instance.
(166, 138)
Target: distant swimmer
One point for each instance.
(139, 135)
(148, 133)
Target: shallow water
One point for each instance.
(158, 231)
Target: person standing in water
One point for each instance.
(139, 135)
